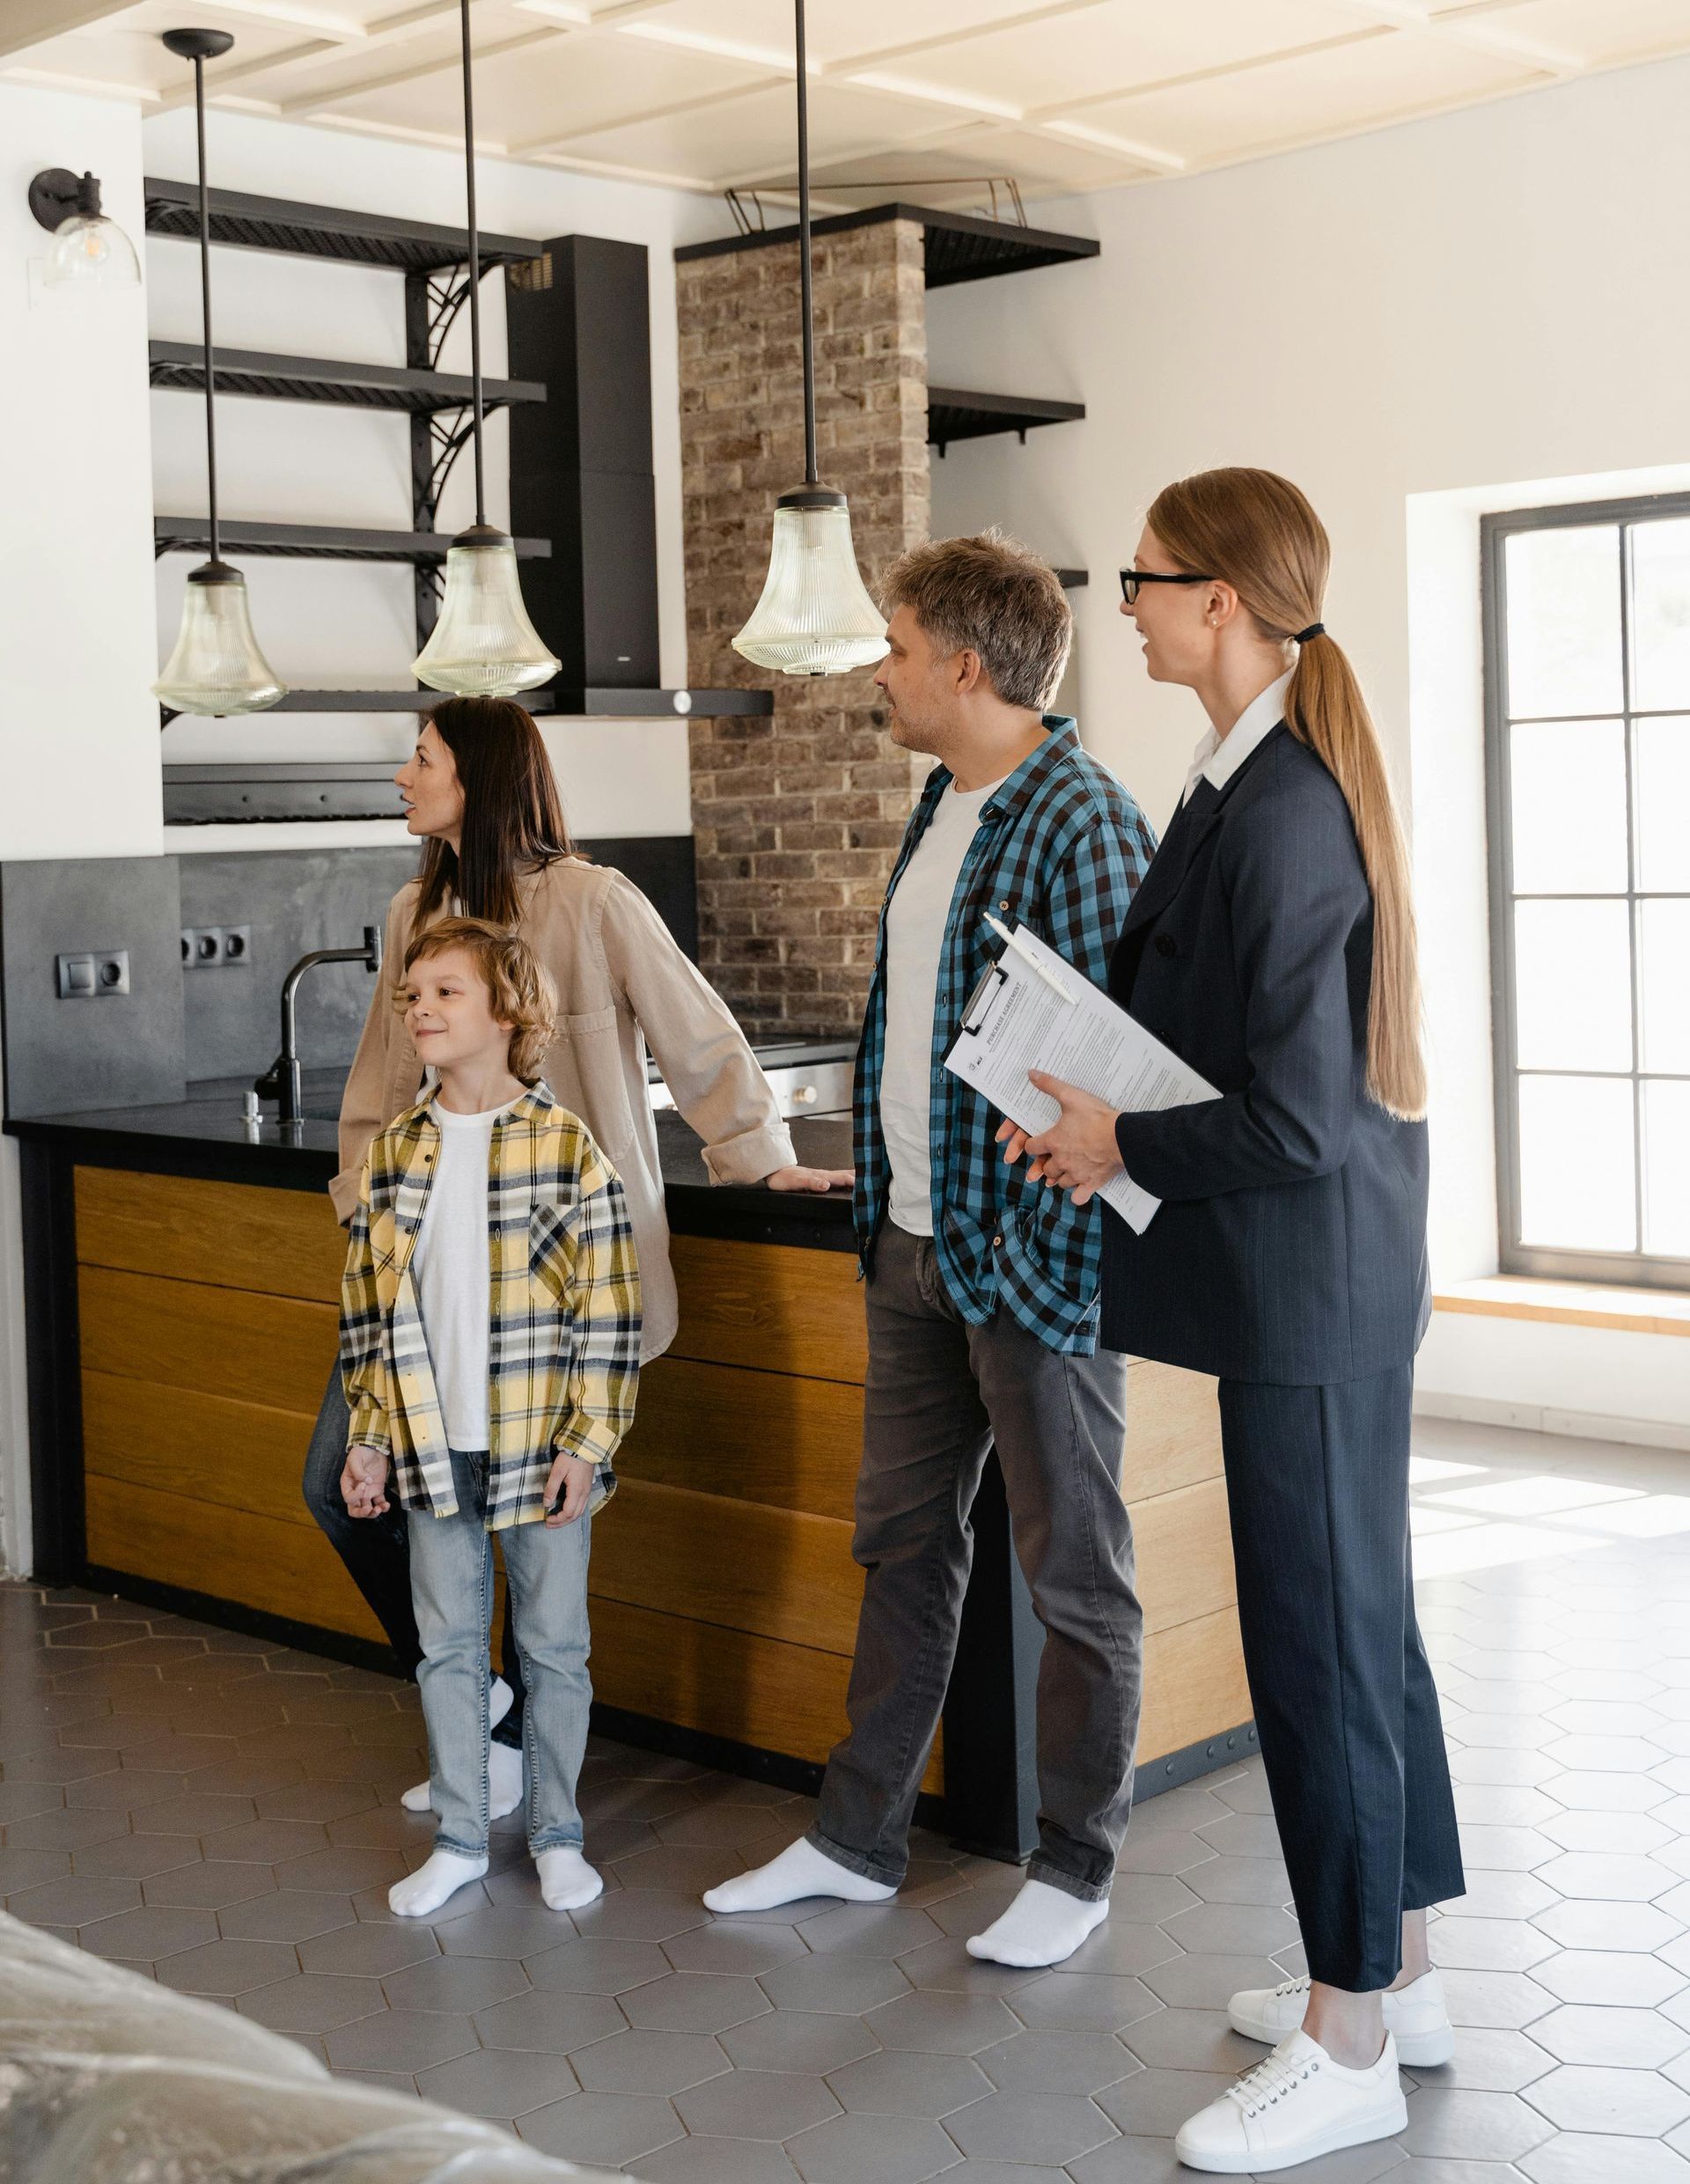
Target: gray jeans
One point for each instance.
(941, 1393)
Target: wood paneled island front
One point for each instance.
(183, 1277)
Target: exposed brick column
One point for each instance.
(797, 817)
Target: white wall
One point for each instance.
(79, 733)
(1481, 301)
(329, 624)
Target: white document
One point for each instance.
(1033, 1010)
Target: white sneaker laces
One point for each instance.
(1275, 2076)
(1293, 1986)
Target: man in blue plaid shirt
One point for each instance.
(982, 1286)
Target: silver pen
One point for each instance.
(1015, 941)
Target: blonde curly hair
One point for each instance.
(519, 987)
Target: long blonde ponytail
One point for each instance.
(1256, 532)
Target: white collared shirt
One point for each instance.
(1217, 758)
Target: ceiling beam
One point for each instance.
(1060, 109)
(85, 86)
(536, 146)
(26, 23)
(309, 103)
(387, 31)
(1459, 26)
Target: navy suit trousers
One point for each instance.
(1317, 1478)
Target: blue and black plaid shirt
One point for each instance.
(1060, 849)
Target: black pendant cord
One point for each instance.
(811, 475)
(475, 269)
(205, 310)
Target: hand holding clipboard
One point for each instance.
(1032, 1010)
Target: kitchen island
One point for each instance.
(182, 1274)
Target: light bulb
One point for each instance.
(815, 617)
(483, 644)
(215, 666)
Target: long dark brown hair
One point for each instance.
(513, 819)
(1258, 533)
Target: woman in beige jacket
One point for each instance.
(479, 789)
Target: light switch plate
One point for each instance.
(93, 975)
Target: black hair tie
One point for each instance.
(1314, 629)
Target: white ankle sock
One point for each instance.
(566, 1880)
(1043, 1926)
(433, 1883)
(800, 1871)
(500, 1699)
(503, 1780)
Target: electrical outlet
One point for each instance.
(237, 944)
(202, 947)
(93, 975)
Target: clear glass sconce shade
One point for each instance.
(216, 666)
(91, 253)
(815, 617)
(483, 644)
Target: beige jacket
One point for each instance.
(622, 985)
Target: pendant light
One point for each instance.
(483, 644)
(215, 666)
(815, 617)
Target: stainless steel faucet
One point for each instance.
(282, 1080)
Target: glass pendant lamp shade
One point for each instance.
(216, 666)
(815, 617)
(483, 644)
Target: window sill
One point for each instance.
(1570, 1304)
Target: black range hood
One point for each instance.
(577, 316)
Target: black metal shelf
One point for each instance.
(278, 224)
(954, 414)
(317, 542)
(1073, 579)
(959, 246)
(180, 366)
(604, 704)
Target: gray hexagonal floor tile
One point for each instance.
(312, 2002)
(693, 2002)
(228, 1967)
(546, 2024)
(798, 2040)
(941, 2023)
(648, 2063)
(591, 1966)
(906, 2082)
(502, 2085)
(849, 1985)
(756, 2104)
(871, 2149)
(1629, 2104)
(606, 2129)
(400, 2040)
(1046, 2128)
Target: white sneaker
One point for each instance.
(1294, 2107)
(1416, 2016)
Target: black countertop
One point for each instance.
(206, 1135)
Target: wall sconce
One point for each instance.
(89, 251)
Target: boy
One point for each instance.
(490, 1342)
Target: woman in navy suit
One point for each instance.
(1272, 945)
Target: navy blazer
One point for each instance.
(1291, 1246)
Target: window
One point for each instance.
(1587, 661)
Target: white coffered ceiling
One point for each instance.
(925, 99)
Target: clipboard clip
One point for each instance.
(991, 982)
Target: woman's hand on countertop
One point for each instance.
(1078, 1153)
(364, 1482)
(816, 1180)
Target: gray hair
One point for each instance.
(991, 596)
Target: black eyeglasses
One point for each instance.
(1131, 578)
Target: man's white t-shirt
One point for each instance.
(915, 923)
(454, 1272)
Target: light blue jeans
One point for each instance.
(452, 1591)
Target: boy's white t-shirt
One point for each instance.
(454, 1276)
(916, 918)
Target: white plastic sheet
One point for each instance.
(107, 2078)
